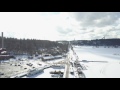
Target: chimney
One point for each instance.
(2, 41)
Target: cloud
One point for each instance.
(96, 19)
(98, 24)
(60, 25)
(63, 31)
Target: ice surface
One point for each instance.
(96, 68)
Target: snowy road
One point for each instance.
(110, 68)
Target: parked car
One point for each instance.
(1, 73)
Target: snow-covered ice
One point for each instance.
(94, 65)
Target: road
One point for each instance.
(68, 69)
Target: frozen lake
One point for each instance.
(97, 69)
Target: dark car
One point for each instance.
(1, 73)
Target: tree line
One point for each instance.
(31, 46)
(98, 42)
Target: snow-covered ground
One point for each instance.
(14, 67)
(46, 73)
(96, 63)
(21, 64)
(101, 62)
(55, 60)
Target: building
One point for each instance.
(46, 57)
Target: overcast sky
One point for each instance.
(60, 25)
